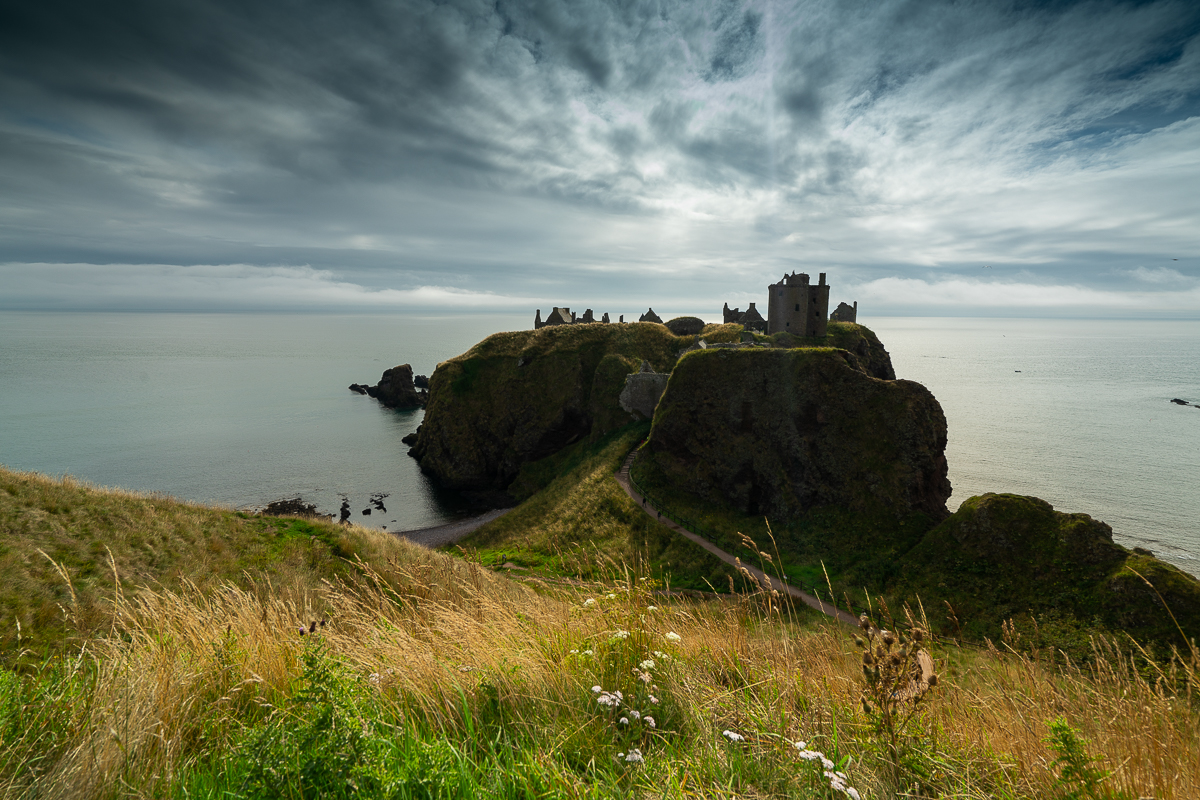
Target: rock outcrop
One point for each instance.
(521, 396)
(1001, 556)
(642, 391)
(778, 432)
(395, 389)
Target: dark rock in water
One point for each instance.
(1179, 402)
(377, 501)
(396, 390)
(686, 326)
(366, 512)
(358, 388)
(345, 511)
(421, 381)
(292, 507)
(411, 438)
(777, 432)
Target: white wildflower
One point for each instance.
(596, 689)
(621, 635)
(624, 720)
(574, 652)
(801, 745)
(733, 737)
(644, 677)
(654, 699)
(589, 602)
(373, 679)
(810, 755)
(610, 597)
(647, 664)
(633, 712)
(852, 793)
(650, 721)
(609, 699)
(634, 756)
(673, 637)
(652, 608)
(589, 652)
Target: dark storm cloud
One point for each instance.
(511, 147)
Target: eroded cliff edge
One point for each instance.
(776, 432)
(521, 396)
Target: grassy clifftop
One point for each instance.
(68, 549)
(522, 396)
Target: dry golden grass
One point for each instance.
(171, 670)
(185, 669)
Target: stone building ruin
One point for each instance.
(845, 313)
(564, 316)
(795, 306)
(749, 319)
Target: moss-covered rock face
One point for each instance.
(1002, 556)
(521, 396)
(778, 432)
(868, 353)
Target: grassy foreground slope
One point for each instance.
(434, 677)
(67, 549)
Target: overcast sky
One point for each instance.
(932, 157)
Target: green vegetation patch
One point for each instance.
(582, 524)
(1003, 556)
(65, 547)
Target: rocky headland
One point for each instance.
(521, 396)
(817, 437)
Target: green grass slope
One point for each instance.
(67, 547)
(577, 522)
(1004, 556)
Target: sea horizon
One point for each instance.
(239, 409)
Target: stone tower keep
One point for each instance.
(796, 306)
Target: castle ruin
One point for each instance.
(564, 316)
(796, 306)
(845, 313)
(749, 319)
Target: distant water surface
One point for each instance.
(235, 409)
(1076, 412)
(243, 409)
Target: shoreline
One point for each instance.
(451, 532)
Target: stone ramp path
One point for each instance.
(804, 597)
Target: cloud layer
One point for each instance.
(200, 153)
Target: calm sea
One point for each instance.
(243, 409)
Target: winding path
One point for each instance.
(804, 597)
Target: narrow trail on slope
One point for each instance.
(804, 597)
